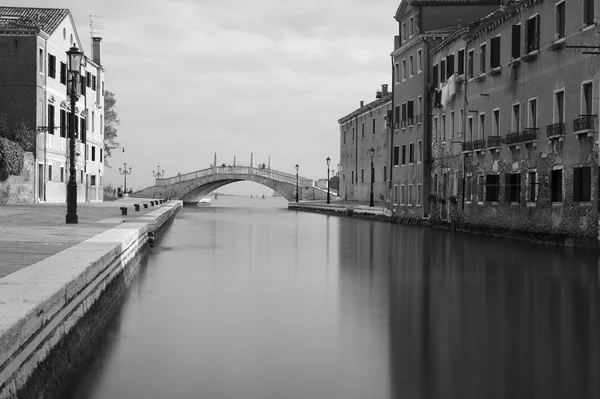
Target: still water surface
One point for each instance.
(245, 299)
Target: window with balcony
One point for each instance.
(560, 21)
(516, 41)
(495, 52)
(585, 121)
(582, 184)
(461, 62)
(512, 187)
(559, 107)
(556, 185)
(492, 188)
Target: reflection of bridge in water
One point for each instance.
(191, 187)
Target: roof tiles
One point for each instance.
(29, 18)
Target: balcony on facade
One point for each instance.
(584, 126)
(529, 135)
(467, 147)
(494, 143)
(556, 131)
(479, 146)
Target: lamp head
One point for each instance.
(372, 152)
(328, 161)
(75, 59)
(297, 167)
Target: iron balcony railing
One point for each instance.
(556, 129)
(479, 145)
(494, 141)
(584, 122)
(513, 138)
(530, 134)
(467, 146)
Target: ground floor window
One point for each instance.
(556, 186)
(531, 186)
(403, 195)
(582, 184)
(492, 192)
(92, 180)
(512, 187)
(410, 194)
(480, 186)
(49, 172)
(418, 194)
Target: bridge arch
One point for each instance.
(192, 187)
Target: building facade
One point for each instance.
(360, 131)
(526, 108)
(33, 89)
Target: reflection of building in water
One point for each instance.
(472, 317)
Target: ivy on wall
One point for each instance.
(11, 158)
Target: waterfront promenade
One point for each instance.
(30, 233)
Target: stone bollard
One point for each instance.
(123, 210)
(145, 205)
(151, 203)
(137, 207)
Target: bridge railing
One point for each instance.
(243, 170)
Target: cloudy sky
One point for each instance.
(195, 77)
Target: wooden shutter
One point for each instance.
(537, 32)
(586, 184)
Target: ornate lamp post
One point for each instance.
(297, 167)
(74, 59)
(158, 174)
(372, 154)
(125, 172)
(328, 163)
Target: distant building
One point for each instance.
(33, 88)
(361, 130)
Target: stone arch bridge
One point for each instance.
(191, 187)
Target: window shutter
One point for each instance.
(526, 37)
(537, 32)
(507, 187)
(516, 41)
(577, 194)
(586, 183)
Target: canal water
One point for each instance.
(244, 299)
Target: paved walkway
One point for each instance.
(32, 232)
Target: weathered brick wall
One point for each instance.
(19, 189)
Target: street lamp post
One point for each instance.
(328, 163)
(297, 167)
(372, 154)
(74, 58)
(125, 172)
(158, 174)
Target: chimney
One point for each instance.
(362, 103)
(384, 91)
(96, 55)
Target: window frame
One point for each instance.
(516, 125)
(582, 110)
(529, 113)
(560, 32)
(554, 200)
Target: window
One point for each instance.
(411, 27)
(411, 66)
(50, 118)
(343, 139)
(496, 125)
(404, 71)
(410, 194)
(397, 115)
(51, 66)
(411, 112)
(461, 62)
(403, 154)
(397, 72)
(559, 107)
(495, 52)
(362, 130)
(582, 184)
(533, 113)
(516, 118)
(435, 75)
(88, 79)
(404, 112)
(63, 123)
(396, 155)
(418, 194)
(516, 41)
(420, 150)
(512, 187)
(443, 127)
(403, 197)
(384, 173)
(411, 153)
(92, 180)
(443, 70)
(93, 153)
(451, 124)
(531, 186)
(492, 189)
(76, 124)
(435, 128)
(94, 82)
(373, 122)
(419, 61)
(81, 175)
(470, 128)
(62, 174)
(41, 60)
(352, 177)
(480, 187)
(395, 194)
(419, 107)
(450, 65)
(482, 58)
(556, 186)
(362, 176)
(532, 34)
(63, 73)
(82, 85)
(434, 189)
(404, 35)
(560, 21)
(470, 64)
(353, 134)
(101, 125)
(587, 90)
(101, 157)
(481, 127)
(49, 172)
(588, 12)
(468, 188)
(82, 123)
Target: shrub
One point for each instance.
(11, 158)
